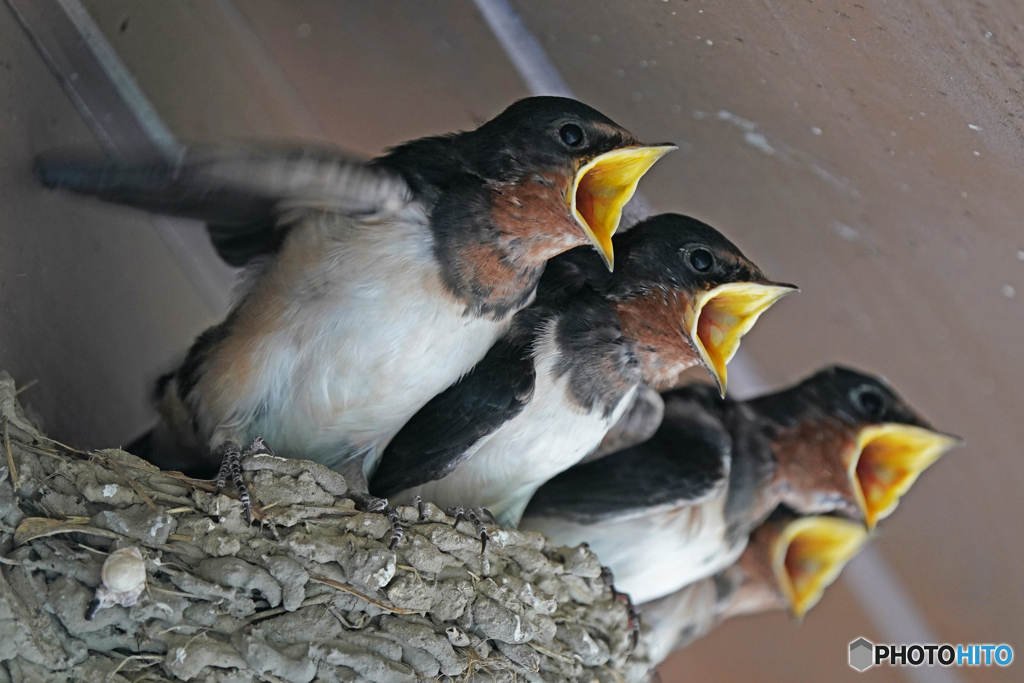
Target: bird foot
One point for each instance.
(231, 465)
(473, 517)
(367, 503)
(634, 618)
(608, 579)
(417, 503)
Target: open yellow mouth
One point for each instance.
(604, 186)
(808, 555)
(721, 316)
(886, 461)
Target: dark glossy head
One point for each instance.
(845, 441)
(683, 291)
(854, 397)
(671, 251)
(541, 133)
(554, 172)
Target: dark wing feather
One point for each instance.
(753, 464)
(682, 463)
(239, 192)
(440, 435)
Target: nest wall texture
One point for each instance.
(309, 591)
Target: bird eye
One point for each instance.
(870, 401)
(701, 260)
(571, 134)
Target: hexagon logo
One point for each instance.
(862, 653)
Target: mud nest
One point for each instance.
(179, 587)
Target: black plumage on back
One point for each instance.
(678, 466)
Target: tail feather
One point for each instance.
(157, 186)
(238, 192)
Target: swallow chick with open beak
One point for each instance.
(679, 507)
(548, 391)
(787, 565)
(373, 286)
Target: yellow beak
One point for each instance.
(603, 187)
(808, 555)
(886, 461)
(720, 317)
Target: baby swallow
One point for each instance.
(549, 390)
(840, 441)
(372, 286)
(788, 564)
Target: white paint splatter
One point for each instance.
(787, 154)
(758, 141)
(841, 184)
(845, 231)
(110, 490)
(737, 121)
